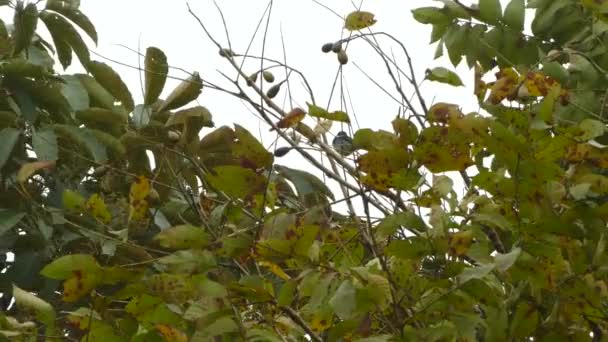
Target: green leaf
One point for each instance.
(319, 112)
(25, 21)
(111, 81)
(44, 312)
(101, 116)
(74, 92)
(515, 14)
(191, 120)
(411, 248)
(45, 145)
(344, 300)
(9, 219)
(370, 140)
(69, 11)
(156, 74)
(63, 32)
(306, 184)
(235, 181)
(590, 129)
(476, 272)
(65, 266)
(456, 42)
(505, 261)
(98, 95)
(406, 219)
(183, 237)
(490, 11)
(84, 138)
(249, 151)
(287, 293)
(524, 321)
(359, 20)
(431, 15)
(187, 91)
(444, 75)
(9, 137)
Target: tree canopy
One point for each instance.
(126, 221)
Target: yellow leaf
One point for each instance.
(460, 242)
(27, 170)
(98, 209)
(276, 269)
(359, 20)
(505, 85)
(138, 206)
(79, 285)
(321, 321)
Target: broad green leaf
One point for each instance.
(70, 4)
(111, 81)
(64, 267)
(476, 272)
(344, 300)
(100, 116)
(73, 201)
(71, 12)
(590, 129)
(84, 138)
(156, 74)
(9, 218)
(249, 151)
(515, 14)
(96, 206)
(370, 140)
(431, 15)
(44, 312)
(306, 184)
(191, 120)
(9, 137)
(443, 149)
(505, 261)
(25, 21)
(411, 248)
(235, 181)
(444, 75)
(113, 145)
(29, 169)
(183, 237)
(524, 321)
(45, 145)
(188, 90)
(406, 219)
(287, 293)
(319, 112)
(99, 96)
(456, 41)
(63, 32)
(490, 11)
(359, 20)
(74, 92)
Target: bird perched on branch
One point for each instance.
(343, 144)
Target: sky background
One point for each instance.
(305, 27)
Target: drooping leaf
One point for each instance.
(112, 82)
(359, 20)
(505, 261)
(476, 272)
(25, 21)
(490, 11)
(83, 138)
(515, 14)
(68, 10)
(444, 75)
(235, 181)
(156, 74)
(64, 267)
(74, 92)
(430, 15)
(249, 151)
(191, 120)
(188, 90)
(98, 95)
(306, 184)
(101, 116)
(29, 169)
(45, 145)
(96, 206)
(138, 204)
(183, 237)
(9, 137)
(63, 32)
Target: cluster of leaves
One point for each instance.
(214, 241)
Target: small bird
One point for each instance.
(343, 144)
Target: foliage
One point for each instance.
(216, 241)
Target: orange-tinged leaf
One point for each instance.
(292, 118)
(27, 170)
(444, 112)
(538, 84)
(275, 269)
(505, 85)
(171, 334)
(98, 209)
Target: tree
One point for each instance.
(217, 241)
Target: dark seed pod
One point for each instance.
(273, 91)
(327, 47)
(252, 79)
(268, 76)
(226, 53)
(342, 57)
(281, 151)
(336, 47)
